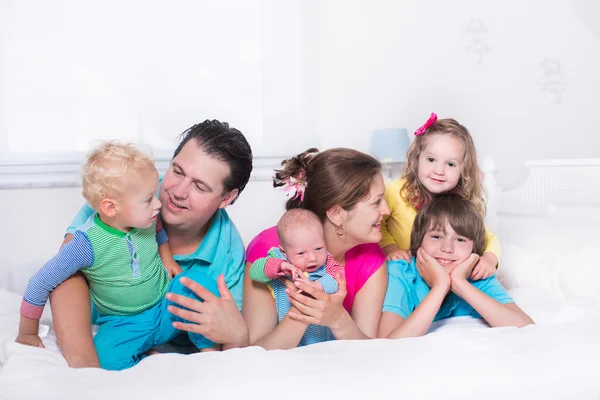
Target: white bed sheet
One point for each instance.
(556, 359)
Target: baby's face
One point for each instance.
(304, 247)
(446, 246)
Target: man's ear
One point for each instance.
(335, 215)
(109, 207)
(228, 198)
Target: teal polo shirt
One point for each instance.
(406, 290)
(220, 252)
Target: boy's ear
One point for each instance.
(109, 207)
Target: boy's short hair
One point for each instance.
(108, 170)
(463, 216)
(294, 218)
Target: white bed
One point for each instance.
(548, 231)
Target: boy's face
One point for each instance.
(440, 163)
(304, 247)
(140, 206)
(446, 246)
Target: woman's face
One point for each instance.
(363, 223)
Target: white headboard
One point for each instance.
(549, 226)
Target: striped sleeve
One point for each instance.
(328, 281)
(161, 234)
(72, 257)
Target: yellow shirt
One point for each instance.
(397, 226)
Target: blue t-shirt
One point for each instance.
(406, 290)
(220, 252)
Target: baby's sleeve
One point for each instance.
(161, 233)
(72, 257)
(265, 269)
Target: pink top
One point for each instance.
(361, 261)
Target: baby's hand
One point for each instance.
(291, 270)
(173, 268)
(398, 255)
(30, 340)
(314, 284)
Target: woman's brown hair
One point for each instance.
(469, 185)
(337, 176)
(461, 214)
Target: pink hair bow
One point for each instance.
(426, 125)
(296, 186)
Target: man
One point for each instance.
(209, 170)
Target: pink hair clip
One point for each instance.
(426, 125)
(296, 186)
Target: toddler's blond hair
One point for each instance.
(109, 170)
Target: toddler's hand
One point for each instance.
(291, 270)
(398, 255)
(173, 269)
(30, 340)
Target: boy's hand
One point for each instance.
(485, 268)
(462, 271)
(291, 270)
(30, 340)
(173, 268)
(431, 271)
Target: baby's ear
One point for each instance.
(109, 207)
(282, 249)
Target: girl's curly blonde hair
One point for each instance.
(469, 186)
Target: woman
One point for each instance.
(345, 189)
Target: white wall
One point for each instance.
(353, 66)
(388, 63)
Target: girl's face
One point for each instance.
(441, 162)
(446, 246)
(363, 223)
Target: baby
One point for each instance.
(123, 252)
(301, 255)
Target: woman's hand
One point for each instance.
(431, 271)
(322, 309)
(218, 319)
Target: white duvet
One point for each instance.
(559, 358)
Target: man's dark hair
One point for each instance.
(226, 144)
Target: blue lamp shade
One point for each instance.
(390, 145)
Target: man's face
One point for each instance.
(192, 188)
